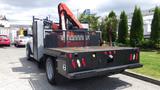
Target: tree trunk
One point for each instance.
(110, 36)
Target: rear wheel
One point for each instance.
(28, 53)
(16, 45)
(9, 45)
(51, 71)
(41, 63)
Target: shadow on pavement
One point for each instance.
(38, 80)
(4, 46)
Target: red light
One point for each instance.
(83, 62)
(110, 52)
(130, 57)
(5, 39)
(70, 56)
(105, 53)
(136, 56)
(73, 64)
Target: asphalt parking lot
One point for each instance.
(16, 73)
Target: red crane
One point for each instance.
(64, 14)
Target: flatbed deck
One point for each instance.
(86, 49)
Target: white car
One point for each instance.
(22, 40)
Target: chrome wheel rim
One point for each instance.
(27, 53)
(49, 68)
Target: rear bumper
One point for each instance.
(5, 43)
(22, 43)
(102, 71)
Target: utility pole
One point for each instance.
(49, 17)
(77, 13)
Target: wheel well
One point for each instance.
(28, 47)
(46, 56)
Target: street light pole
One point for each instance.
(77, 13)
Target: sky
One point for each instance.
(22, 10)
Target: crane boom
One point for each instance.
(65, 13)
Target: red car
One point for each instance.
(4, 40)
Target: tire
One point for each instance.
(51, 71)
(28, 53)
(16, 45)
(8, 45)
(41, 63)
(122, 71)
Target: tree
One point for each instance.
(155, 27)
(103, 29)
(92, 20)
(111, 22)
(136, 32)
(123, 28)
(83, 18)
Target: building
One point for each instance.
(10, 28)
(4, 26)
(147, 20)
(14, 28)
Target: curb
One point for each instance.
(141, 77)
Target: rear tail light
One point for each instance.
(136, 56)
(130, 57)
(111, 56)
(83, 62)
(74, 64)
(93, 55)
(69, 56)
(110, 52)
(106, 53)
(133, 57)
(6, 39)
(78, 63)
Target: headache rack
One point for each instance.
(71, 38)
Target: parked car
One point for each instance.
(21, 40)
(4, 40)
